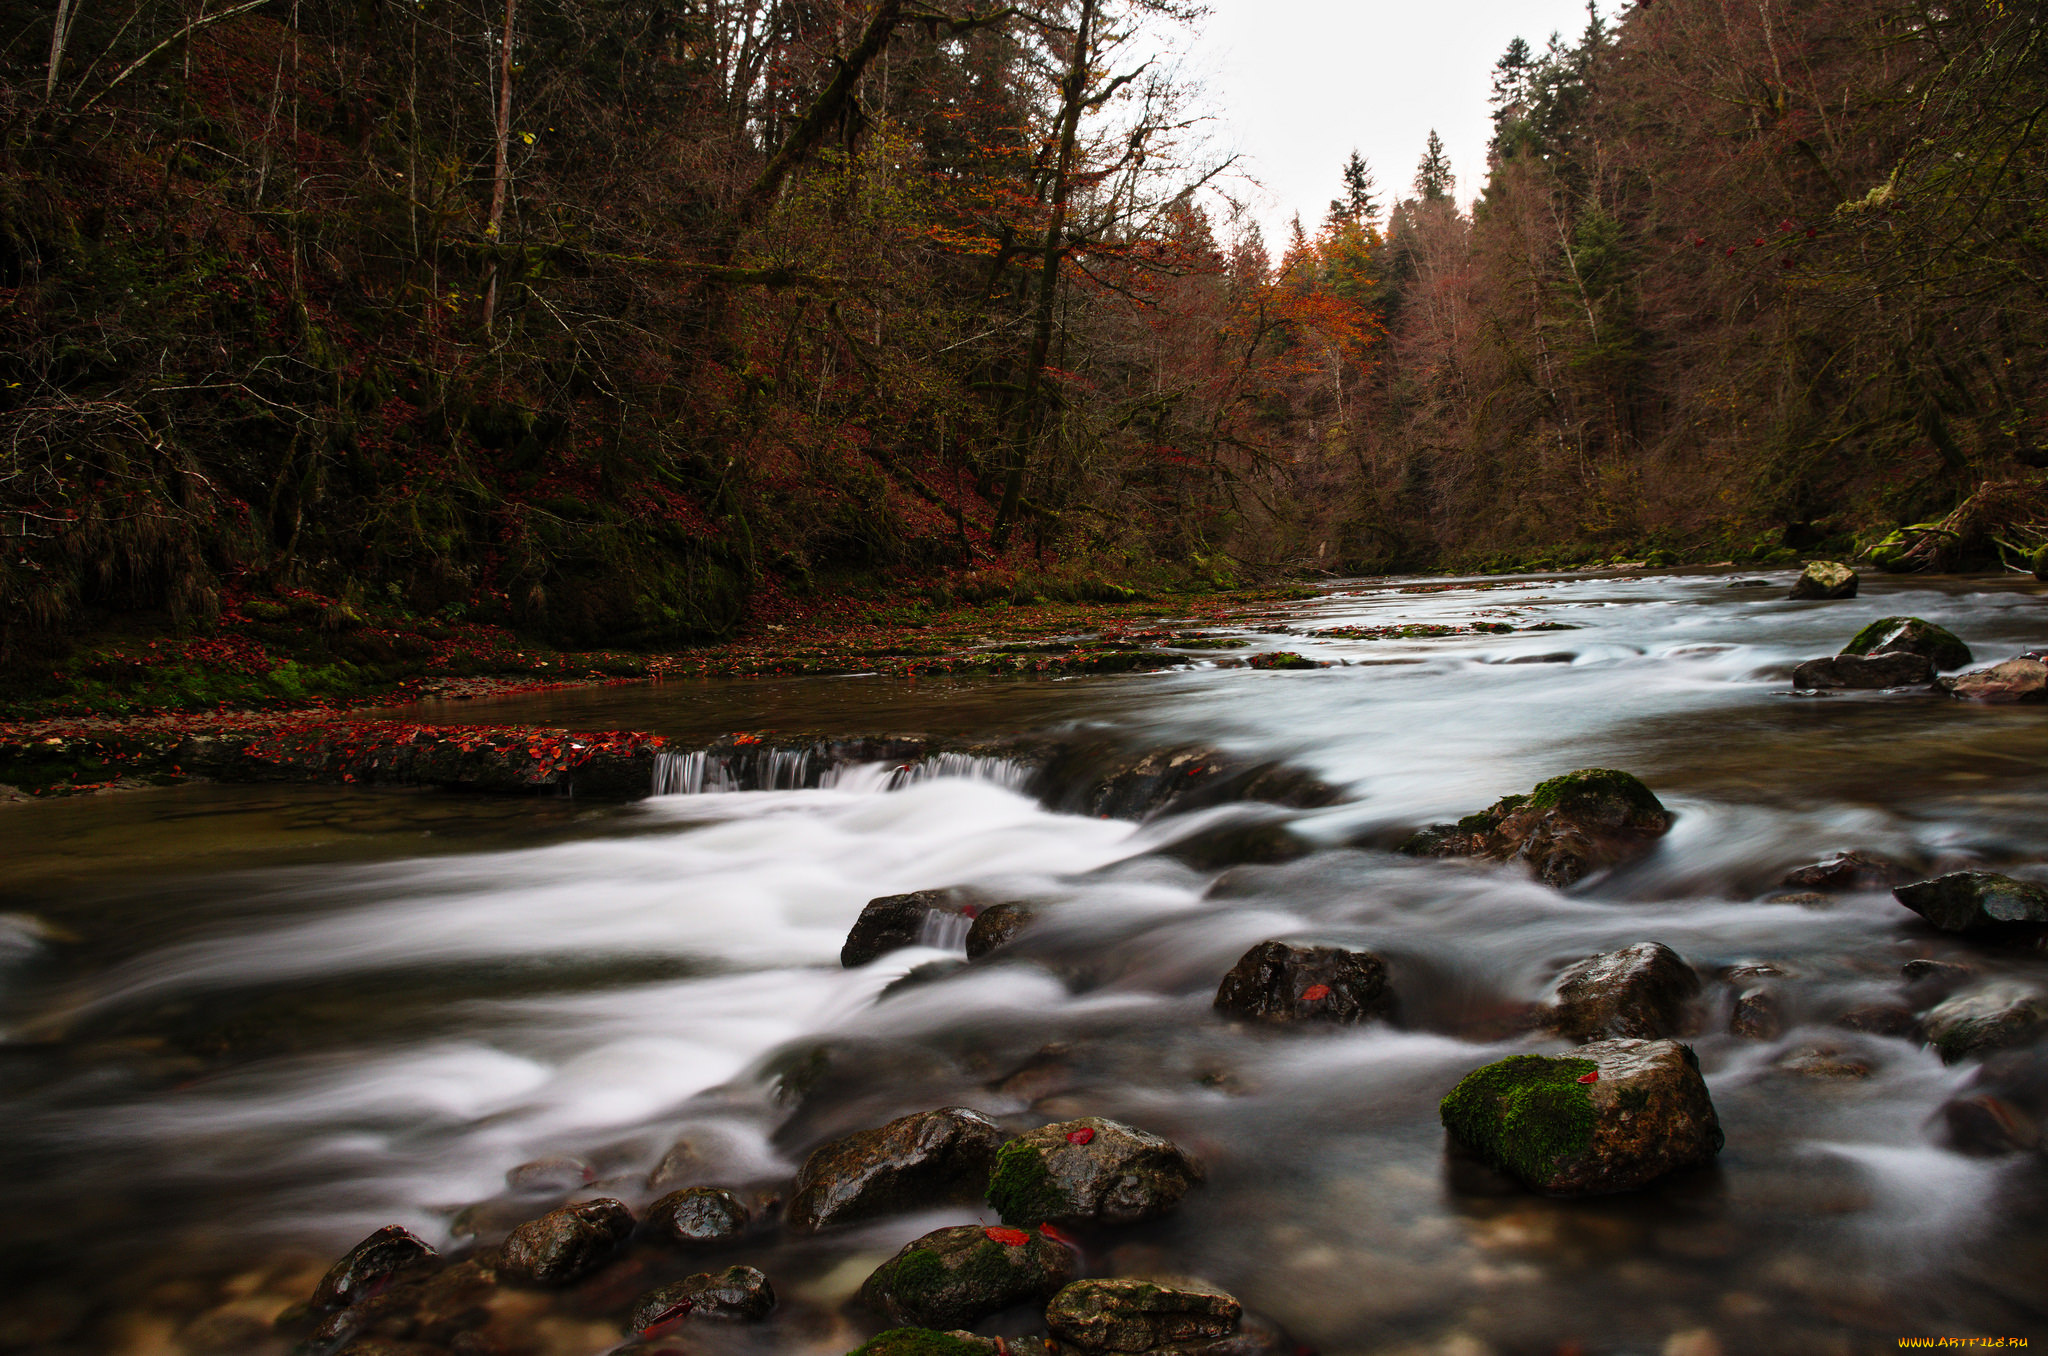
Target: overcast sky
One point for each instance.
(1298, 83)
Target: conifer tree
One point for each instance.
(1433, 178)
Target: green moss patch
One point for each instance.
(1525, 1114)
(1021, 1189)
(918, 1342)
(1591, 786)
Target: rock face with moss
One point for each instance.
(1275, 982)
(1641, 991)
(567, 1244)
(926, 1342)
(1609, 1117)
(1977, 901)
(1565, 829)
(2024, 679)
(1864, 672)
(1910, 635)
(1129, 1314)
(1998, 1016)
(1089, 1170)
(953, 1277)
(911, 1163)
(1825, 579)
(737, 1294)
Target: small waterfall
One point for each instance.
(787, 770)
(1004, 772)
(679, 774)
(703, 772)
(944, 930)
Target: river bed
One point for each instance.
(243, 1027)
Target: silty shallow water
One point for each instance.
(247, 1026)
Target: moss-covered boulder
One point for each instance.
(926, 1342)
(1825, 579)
(912, 1163)
(1910, 635)
(1132, 1314)
(1641, 991)
(2024, 679)
(953, 1277)
(1977, 901)
(737, 1294)
(1999, 1016)
(1609, 1117)
(1089, 1170)
(1275, 982)
(567, 1244)
(370, 1265)
(699, 1215)
(1565, 829)
(1872, 672)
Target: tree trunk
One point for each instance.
(501, 170)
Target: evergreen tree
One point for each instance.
(1433, 178)
(1357, 207)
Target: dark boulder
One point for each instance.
(1864, 672)
(567, 1244)
(699, 1215)
(1131, 1314)
(1825, 579)
(1608, 1117)
(1276, 982)
(895, 922)
(1999, 1016)
(997, 926)
(1910, 635)
(437, 1309)
(911, 1163)
(2003, 1108)
(737, 1294)
(1757, 1015)
(953, 1277)
(1089, 1170)
(1976, 901)
(1641, 991)
(2016, 680)
(1242, 840)
(370, 1265)
(1847, 871)
(1565, 829)
(927, 1342)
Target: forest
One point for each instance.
(609, 319)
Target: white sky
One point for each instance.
(1298, 83)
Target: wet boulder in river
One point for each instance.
(1089, 1170)
(1276, 982)
(953, 1277)
(1132, 1314)
(1847, 871)
(1641, 991)
(2024, 679)
(1864, 672)
(996, 926)
(567, 1244)
(699, 1215)
(1910, 635)
(895, 922)
(369, 1265)
(1565, 829)
(1977, 902)
(1825, 579)
(1608, 1117)
(911, 1163)
(927, 1342)
(737, 1294)
(1999, 1016)
(2004, 1108)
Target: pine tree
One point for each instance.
(1357, 207)
(1433, 177)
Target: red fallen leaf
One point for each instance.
(970, 911)
(667, 1316)
(1009, 1238)
(1315, 993)
(1057, 1235)
(1081, 1136)
(1593, 1077)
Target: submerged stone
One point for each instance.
(911, 1163)
(370, 1265)
(567, 1244)
(1276, 982)
(1825, 579)
(1565, 829)
(1089, 1170)
(953, 1277)
(1910, 635)
(1609, 1117)
(1976, 901)
(1848, 871)
(1999, 1016)
(737, 1294)
(996, 926)
(1640, 991)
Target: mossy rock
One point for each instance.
(1524, 1114)
(952, 1277)
(1825, 579)
(1089, 1170)
(1910, 635)
(1566, 828)
(925, 1342)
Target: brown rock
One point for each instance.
(1641, 991)
(1849, 871)
(910, 1163)
(1757, 1015)
(2016, 680)
(1977, 901)
(1565, 829)
(1130, 1314)
(1880, 1019)
(1866, 672)
(369, 1265)
(1999, 1016)
(737, 1294)
(1088, 1171)
(953, 1277)
(699, 1215)
(1276, 982)
(567, 1244)
(1825, 579)
(894, 922)
(995, 927)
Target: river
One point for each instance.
(244, 1026)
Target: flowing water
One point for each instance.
(245, 1026)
